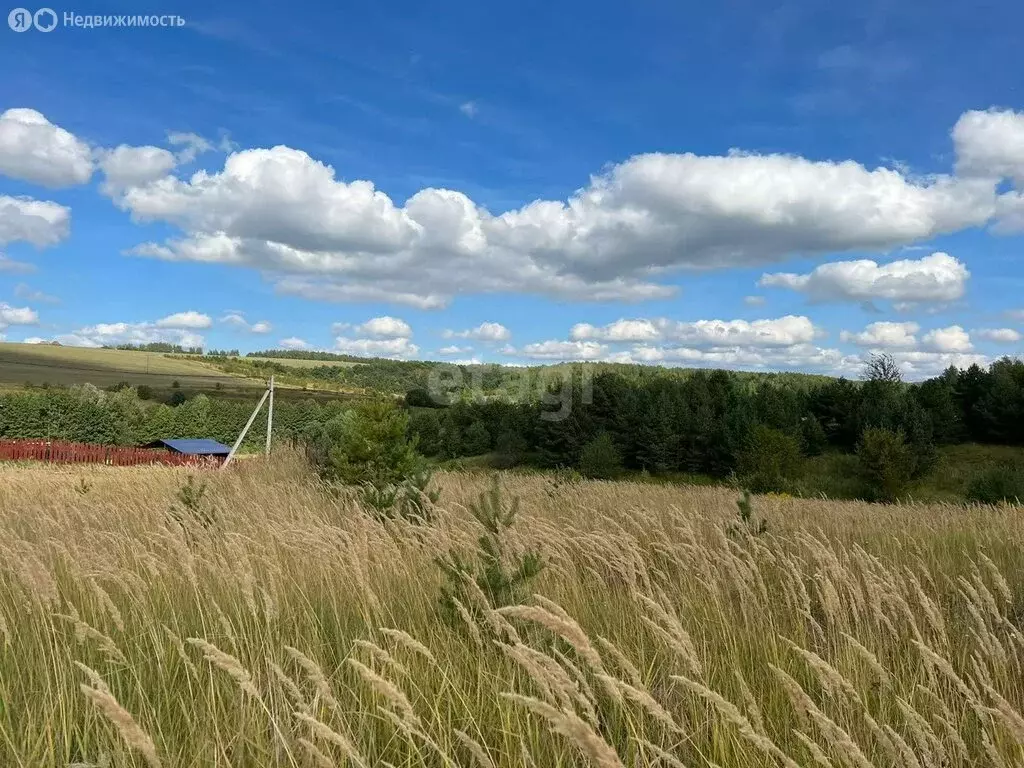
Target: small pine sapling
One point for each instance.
(503, 577)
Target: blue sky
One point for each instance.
(782, 189)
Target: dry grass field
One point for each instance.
(296, 631)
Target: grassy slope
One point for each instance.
(861, 607)
(299, 363)
(34, 364)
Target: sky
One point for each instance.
(704, 185)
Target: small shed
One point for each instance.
(203, 447)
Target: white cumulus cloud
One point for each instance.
(190, 319)
(111, 334)
(486, 331)
(885, 335)
(237, 320)
(990, 143)
(936, 278)
(922, 364)
(384, 327)
(559, 350)
(294, 342)
(999, 335)
(127, 166)
(17, 316)
(951, 339)
(782, 331)
(454, 349)
(621, 331)
(39, 222)
(281, 211)
(398, 348)
(35, 150)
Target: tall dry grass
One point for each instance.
(298, 632)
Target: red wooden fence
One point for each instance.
(60, 452)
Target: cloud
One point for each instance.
(385, 327)
(990, 144)
(620, 330)
(35, 150)
(293, 342)
(454, 350)
(111, 334)
(884, 335)
(15, 267)
(280, 211)
(395, 348)
(17, 316)
(935, 278)
(559, 350)
(797, 357)
(35, 340)
(126, 166)
(486, 331)
(323, 290)
(190, 319)
(783, 331)
(469, 108)
(951, 339)
(23, 291)
(237, 320)
(754, 301)
(920, 364)
(192, 145)
(999, 335)
(39, 222)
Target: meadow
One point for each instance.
(248, 618)
(36, 364)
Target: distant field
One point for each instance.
(296, 363)
(22, 364)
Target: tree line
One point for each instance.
(716, 423)
(86, 414)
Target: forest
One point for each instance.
(717, 424)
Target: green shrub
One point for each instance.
(600, 458)
(510, 449)
(476, 440)
(769, 461)
(815, 441)
(369, 447)
(367, 444)
(1004, 482)
(420, 397)
(885, 462)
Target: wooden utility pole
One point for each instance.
(248, 424)
(270, 415)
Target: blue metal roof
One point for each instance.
(200, 446)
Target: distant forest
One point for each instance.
(705, 422)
